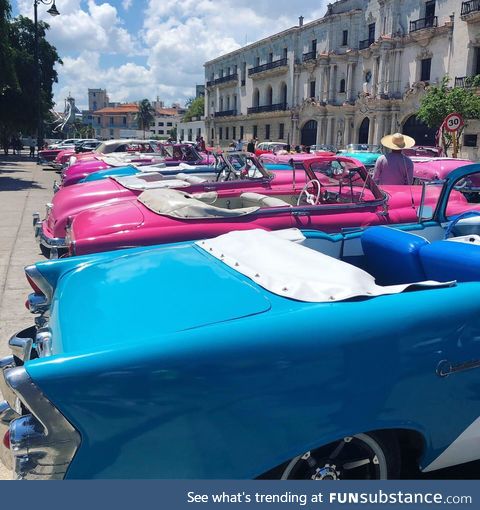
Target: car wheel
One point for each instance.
(372, 456)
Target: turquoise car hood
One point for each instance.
(142, 296)
(367, 158)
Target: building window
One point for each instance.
(161, 131)
(270, 57)
(98, 120)
(285, 52)
(220, 133)
(470, 140)
(153, 131)
(257, 61)
(125, 121)
(342, 85)
(371, 33)
(111, 121)
(94, 105)
(112, 132)
(161, 124)
(234, 132)
(425, 66)
(244, 73)
(281, 131)
(227, 133)
(241, 132)
(312, 88)
(212, 135)
(190, 135)
(314, 46)
(255, 131)
(267, 131)
(429, 13)
(345, 38)
(169, 124)
(228, 71)
(182, 134)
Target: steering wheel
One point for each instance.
(466, 214)
(310, 198)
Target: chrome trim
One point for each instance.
(43, 341)
(50, 242)
(36, 218)
(21, 347)
(446, 368)
(7, 415)
(38, 303)
(40, 281)
(56, 186)
(48, 208)
(6, 392)
(43, 443)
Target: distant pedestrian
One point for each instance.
(395, 167)
(239, 146)
(31, 145)
(251, 146)
(201, 144)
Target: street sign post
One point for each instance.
(453, 123)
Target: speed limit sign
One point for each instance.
(453, 122)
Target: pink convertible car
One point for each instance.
(233, 171)
(171, 155)
(339, 194)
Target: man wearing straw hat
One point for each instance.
(395, 167)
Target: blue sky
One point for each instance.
(149, 48)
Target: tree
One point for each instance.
(145, 115)
(195, 108)
(173, 133)
(441, 100)
(18, 104)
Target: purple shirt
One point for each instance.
(394, 168)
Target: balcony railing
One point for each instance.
(422, 23)
(280, 107)
(223, 79)
(225, 113)
(267, 67)
(469, 7)
(365, 43)
(311, 55)
(466, 81)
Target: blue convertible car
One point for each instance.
(294, 355)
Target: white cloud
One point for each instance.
(176, 39)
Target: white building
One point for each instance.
(350, 77)
(190, 131)
(166, 120)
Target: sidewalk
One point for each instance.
(24, 188)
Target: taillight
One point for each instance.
(34, 286)
(6, 439)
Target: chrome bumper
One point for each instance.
(42, 442)
(56, 186)
(52, 243)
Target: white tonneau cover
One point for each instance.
(178, 204)
(294, 271)
(134, 182)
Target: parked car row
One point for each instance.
(237, 319)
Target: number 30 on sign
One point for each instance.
(453, 122)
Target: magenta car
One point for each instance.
(233, 171)
(434, 169)
(338, 194)
(171, 155)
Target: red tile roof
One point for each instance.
(123, 108)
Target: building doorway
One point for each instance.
(363, 130)
(418, 130)
(309, 133)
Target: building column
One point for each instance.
(331, 85)
(347, 133)
(371, 129)
(393, 124)
(380, 128)
(319, 131)
(398, 69)
(329, 130)
(375, 77)
(350, 70)
(381, 77)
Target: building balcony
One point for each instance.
(466, 82)
(362, 45)
(420, 24)
(223, 80)
(280, 107)
(270, 68)
(470, 10)
(225, 113)
(311, 55)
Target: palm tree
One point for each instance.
(145, 115)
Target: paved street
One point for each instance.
(24, 189)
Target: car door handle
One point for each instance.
(301, 213)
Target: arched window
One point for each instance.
(342, 85)
(269, 96)
(363, 131)
(283, 93)
(256, 97)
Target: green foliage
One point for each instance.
(145, 115)
(18, 104)
(8, 76)
(195, 108)
(173, 133)
(441, 100)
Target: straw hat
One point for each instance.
(397, 141)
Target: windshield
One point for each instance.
(363, 147)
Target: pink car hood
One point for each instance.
(431, 169)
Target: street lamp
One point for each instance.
(53, 11)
